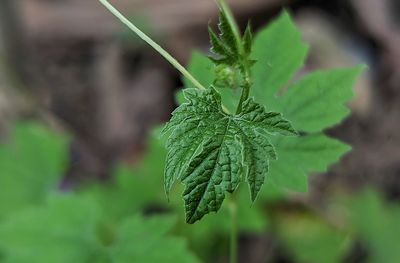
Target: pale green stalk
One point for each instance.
(233, 242)
(153, 44)
(156, 46)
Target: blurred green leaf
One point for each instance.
(134, 188)
(70, 229)
(144, 240)
(377, 224)
(31, 164)
(310, 240)
(63, 231)
(280, 53)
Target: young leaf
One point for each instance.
(247, 40)
(208, 149)
(217, 46)
(227, 33)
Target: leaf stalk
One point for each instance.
(153, 44)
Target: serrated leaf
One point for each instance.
(227, 32)
(207, 149)
(247, 40)
(280, 52)
(218, 47)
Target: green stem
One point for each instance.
(233, 246)
(245, 67)
(245, 90)
(153, 44)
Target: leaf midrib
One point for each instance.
(213, 171)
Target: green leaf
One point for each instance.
(63, 231)
(314, 103)
(247, 40)
(280, 53)
(31, 165)
(317, 100)
(310, 240)
(144, 240)
(301, 156)
(71, 229)
(217, 46)
(207, 149)
(227, 32)
(377, 224)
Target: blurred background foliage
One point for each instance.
(129, 219)
(81, 165)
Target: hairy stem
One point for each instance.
(152, 43)
(233, 247)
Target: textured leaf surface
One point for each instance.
(314, 103)
(207, 149)
(226, 45)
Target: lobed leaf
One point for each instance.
(207, 149)
(313, 103)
